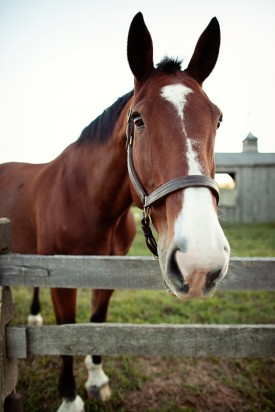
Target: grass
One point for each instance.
(245, 239)
(164, 384)
(251, 239)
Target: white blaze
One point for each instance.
(192, 159)
(177, 95)
(197, 232)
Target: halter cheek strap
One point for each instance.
(174, 185)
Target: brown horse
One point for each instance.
(80, 202)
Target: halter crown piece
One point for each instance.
(173, 185)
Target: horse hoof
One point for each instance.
(97, 385)
(77, 405)
(35, 320)
(102, 394)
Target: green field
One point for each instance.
(167, 384)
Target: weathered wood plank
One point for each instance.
(103, 272)
(19, 342)
(5, 235)
(256, 273)
(148, 340)
(113, 272)
(8, 367)
(9, 401)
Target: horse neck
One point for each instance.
(98, 172)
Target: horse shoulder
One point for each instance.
(123, 233)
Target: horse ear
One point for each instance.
(140, 48)
(206, 52)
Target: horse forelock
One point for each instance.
(100, 130)
(169, 65)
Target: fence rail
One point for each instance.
(147, 340)
(120, 339)
(115, 272)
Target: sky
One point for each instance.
(64, 61)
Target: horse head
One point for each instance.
(171, 135)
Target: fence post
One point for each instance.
(9, 400)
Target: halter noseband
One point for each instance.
(174, 185)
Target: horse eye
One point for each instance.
(219, 122)
(138, 122)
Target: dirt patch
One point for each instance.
(166, 391)
(196, 385)
(159, 385)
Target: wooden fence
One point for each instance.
(118, 339)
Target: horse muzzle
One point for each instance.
(189, 278)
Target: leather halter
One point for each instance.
(174, 185)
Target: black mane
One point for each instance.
(169, 66)
(100, 129)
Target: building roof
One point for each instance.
(251, 137)
(244, 159)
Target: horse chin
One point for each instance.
(195, 293)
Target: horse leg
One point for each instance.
(64, 304)
(35, 317)
(97, 385)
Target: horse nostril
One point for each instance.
(175, 275)
(227, 249)
(211, 277)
